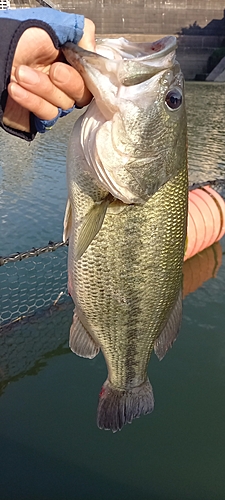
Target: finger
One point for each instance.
(40, 84)
(70, 81)
(35, 48)
(36, 104)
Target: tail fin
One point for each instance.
(119, 407)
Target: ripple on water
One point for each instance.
(206, 130)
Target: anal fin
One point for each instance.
(170, 330)
(80, 342)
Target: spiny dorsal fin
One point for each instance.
(170, 331)
(80, 342)
(91, 225)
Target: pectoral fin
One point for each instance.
(91, 225)
(170, 331)
(67, 221)
(116, 207)
(80, 342)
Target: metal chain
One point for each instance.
(47, 3)
(34, 252)
(215, 183)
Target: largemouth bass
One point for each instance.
(126, 216)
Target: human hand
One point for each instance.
(40, 82)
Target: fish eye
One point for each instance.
(173, 99)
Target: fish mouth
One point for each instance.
(131, 63)
(141, 51)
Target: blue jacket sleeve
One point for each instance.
(67, 27)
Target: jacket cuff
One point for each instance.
(68, 27)
(43, 126)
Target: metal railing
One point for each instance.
(4, 4)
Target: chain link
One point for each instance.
(217, 183)
(34, 252)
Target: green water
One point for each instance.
(50, 446)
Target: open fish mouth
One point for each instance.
(131, 63)
(140, 50)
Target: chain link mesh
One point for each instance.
(37, 283)
(26, 345)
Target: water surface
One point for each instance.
(50, 446)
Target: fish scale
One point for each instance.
(134, 246)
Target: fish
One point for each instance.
(126, 216)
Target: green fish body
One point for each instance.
(126, 216)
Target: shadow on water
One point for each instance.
(39, 477)
(28, 344)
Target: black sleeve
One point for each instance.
(11, 31)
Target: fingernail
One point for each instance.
(27, 75)
(61, 73)
(18, 91)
